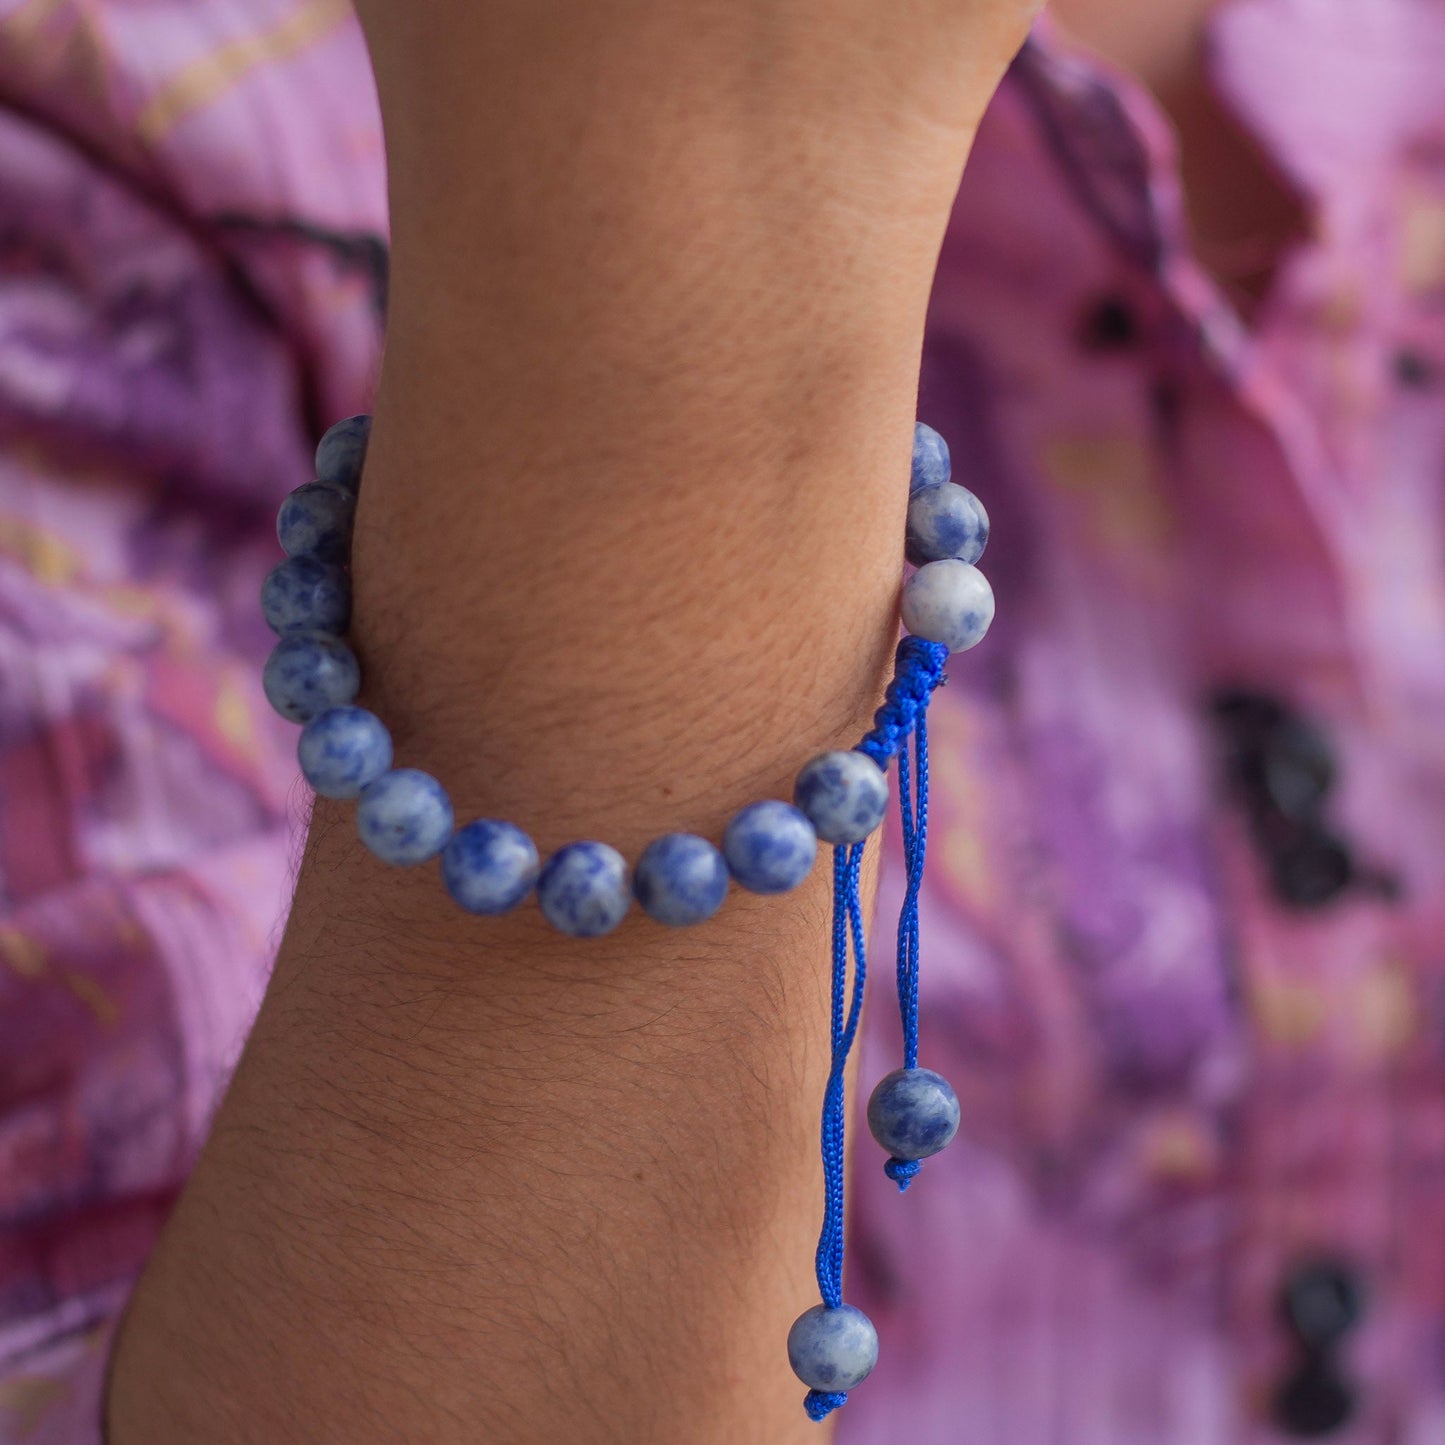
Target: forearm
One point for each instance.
(627, 555)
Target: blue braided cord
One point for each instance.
(913, 811)
(917, 671)
(847, 924)
(916, 811)
(908, 914)
(821, 1403)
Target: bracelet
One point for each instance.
(584, 889)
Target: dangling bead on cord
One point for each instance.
(913, 1112)
(585, 889)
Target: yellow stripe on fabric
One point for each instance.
(94, 997)
(204, 81)
(22, 953)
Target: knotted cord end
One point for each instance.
(902, 1172)
(819, 1404)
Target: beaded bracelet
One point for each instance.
(584, 889)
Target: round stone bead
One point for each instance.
(303, 594)
(913, 1113)
(309, 673)
(315, 521)
(931, 464)
(489, 866)
(583, 889)
(843, 795)
(770, 846)
(945, 520)
(404, 816)
(948, 602)
(680, 879)
(832, 1349)
(342, 750)
(342, 451)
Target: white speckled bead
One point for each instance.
(844, 795)
(948, 602)
(342, 452)
(931, 463)
(315, 521)
(303, 594)
(913, 1113)
(342, 750)
(309, 673)
(770, 846)
(945, 520)
(489, 866)
(832, 1350)
(583, 889)
(405, 816)
(680, 879)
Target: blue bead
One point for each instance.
(302, 594)
(945, 520)
(832, 1349)
(843, 794)
(948, 602)
(404, 816)
(342, 750)
(489, 866)
(680, 879)
(583, 889)
(770, 846)
(315, 521)
(913, 1113)
(342, 452)
(931, 464)
(305, 675)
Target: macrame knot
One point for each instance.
(918, 671)
(821, 1403)
(902, 1172)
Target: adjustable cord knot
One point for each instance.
(918, 671)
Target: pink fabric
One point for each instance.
(1173, 1087)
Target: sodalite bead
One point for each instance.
(303, 594)
(309, 673)
(680, 879)
(342, 451)
(948, 602)
(843, 794)
(945, 520)
(770, 846)
(405, 816)
(489, 866)
(315, 521)
(342, 750)
(931, 463)
(583, 889)
(832, 1349)
(913, 1113)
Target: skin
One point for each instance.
(628, 554)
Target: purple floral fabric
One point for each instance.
(1175, 1087)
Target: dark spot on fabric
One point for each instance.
(1412, 370)
(1109, 325)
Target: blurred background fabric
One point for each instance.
(192, 258)
(1183, 935)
